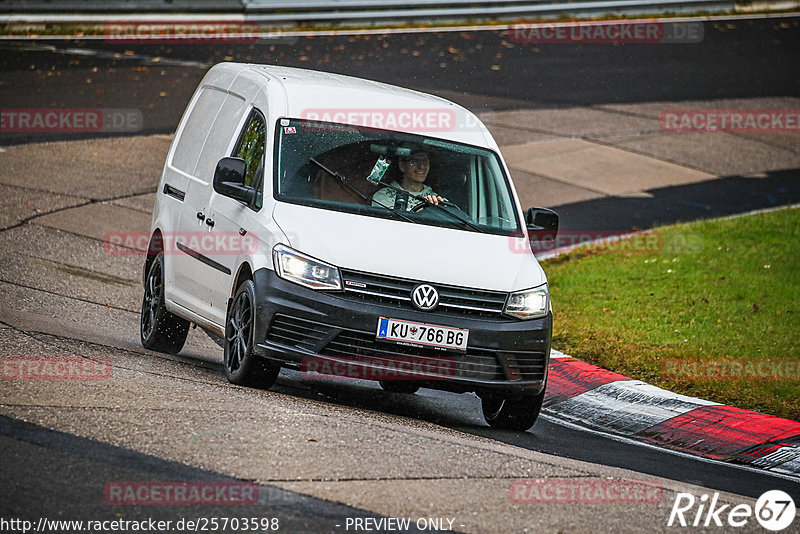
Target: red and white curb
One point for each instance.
(593, 397)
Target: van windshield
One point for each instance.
(388, 174)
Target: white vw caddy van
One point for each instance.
(282, 225)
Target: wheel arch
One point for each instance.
(154, 247)
(245, 272)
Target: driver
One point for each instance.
(415, 169)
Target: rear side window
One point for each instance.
(198, 125)
(223, 131)
(250, 147)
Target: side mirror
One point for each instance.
(229, 180)
(542, 223)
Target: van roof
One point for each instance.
(308, 91)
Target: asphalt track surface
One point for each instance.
(48, 470)
(738, 59)
(548, 435)
(56, 475)
(483, 71)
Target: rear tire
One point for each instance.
(512, 414)
(398, 386)
(159, 329)
(242, 366)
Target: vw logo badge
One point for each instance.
(425, 297)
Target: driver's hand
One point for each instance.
(435, 199)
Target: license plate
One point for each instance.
(442, 337)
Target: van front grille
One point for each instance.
(453, 300)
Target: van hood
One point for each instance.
(412, 251)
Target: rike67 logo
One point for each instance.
(774, 510)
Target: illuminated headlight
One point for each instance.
(528, 304)
(304, 270)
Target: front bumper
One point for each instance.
(295, 325)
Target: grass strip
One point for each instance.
(709, 309)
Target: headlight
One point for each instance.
(528, 304)
(305, 270)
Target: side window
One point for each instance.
(250, 147)
(219, 136)
(194, 133)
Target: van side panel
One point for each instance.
(174, 184)
(222, 113)
(213, 278)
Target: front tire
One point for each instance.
(512, 414)
(242, 366)
(159, 329)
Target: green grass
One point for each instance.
(725, 289)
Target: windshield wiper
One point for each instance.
(427, 202)
(345, 182)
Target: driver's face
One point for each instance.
(416, 167)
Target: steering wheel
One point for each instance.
(444, 203)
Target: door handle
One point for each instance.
(201, 215)
(210, 222)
